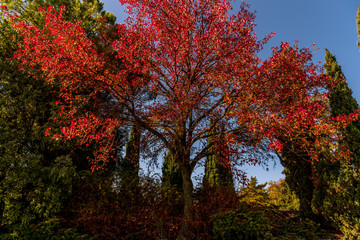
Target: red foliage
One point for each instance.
(174, 68)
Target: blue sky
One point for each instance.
(327, 23)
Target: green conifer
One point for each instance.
(129, 165)
(254, 192)
(342, 102)
(217, 168)
(171, 184)
(171, 174)
(342, 199)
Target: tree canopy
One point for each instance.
(198, 64)
(180, 70)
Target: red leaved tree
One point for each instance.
(175, 67)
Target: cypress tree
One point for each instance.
(342, 102)
(254, 192)
(171, 174)
(171, 185)
(342, 200)
(217, 168)
(129, 165)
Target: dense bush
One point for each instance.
(342, 202)
(99, 209)
(281, 195)
(47, 230)
(32, 193)
(240, 224)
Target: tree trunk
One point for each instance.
(306, 196)
(298, 173)
(299, 180)
(187, 187)
(305, 189)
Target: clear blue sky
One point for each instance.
(327, 23)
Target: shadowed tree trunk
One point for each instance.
(188, 188)
(298, 173)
